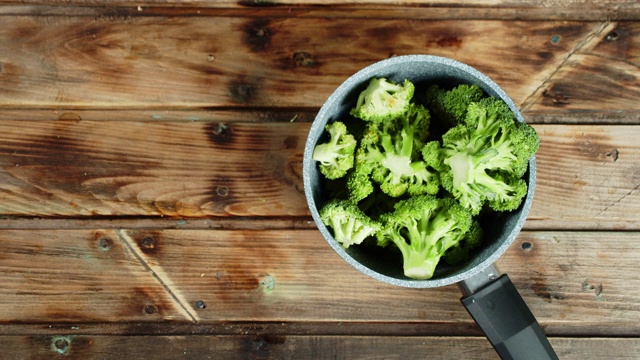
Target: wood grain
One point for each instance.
(588, 176)
(532, 11)
(83, 168)
(294, 347)
(151, 199)
(607, 60)
(293, 277)
(80, 275)
(183, 62)
(73, 168)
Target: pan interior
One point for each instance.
(422, 70)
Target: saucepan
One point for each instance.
(490, 297)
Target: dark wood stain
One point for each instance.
(257, 3)
(448, 41)
(545, 55)
(258, 33)
(220, 134)
(235, 278)
(598, 147)
(140, 300)
(546, 292)
(149, 242)
(205, 68)
(261, 346)
(290, 142)
(103, 242)
(303, 58)
(243, 90)
(222, 192)
(557, 95)
(61, 162)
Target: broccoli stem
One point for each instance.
(416, 266)
(461, 166)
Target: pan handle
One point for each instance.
(495, 304)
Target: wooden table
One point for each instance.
(151, 197)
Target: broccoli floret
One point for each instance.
(460, 253)
(383, 100)
(359, 185)
(390, 152)
(424, 228)
(336, 156)
(349, 224)
(484, 158)
(450, 106)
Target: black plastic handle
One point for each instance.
(507, 322)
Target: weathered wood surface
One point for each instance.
(78, 168)
(173, 62)
(516, 9)
(535, 11)
(148, 169)
(150, 177)
(292, 276)
(294, 347)
(54, 276)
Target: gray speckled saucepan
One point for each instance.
(490, 298)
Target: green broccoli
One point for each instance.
(336, 156)
(349, 224)
(424, 228)
(450, 106)
(390, 152)
(383, 100)
(396, 178)
(359, 184)
(461, 252)
(483, 159)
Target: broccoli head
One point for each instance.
(383, 100)
(450, 106)
(424, 228)
(359, 184)
(461, 252)
(390, 152)
(349, 224)
(336, 156)
(483, 159)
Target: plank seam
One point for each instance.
(157, 277)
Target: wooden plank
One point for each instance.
(195, 169)
(279, 277)
(588, 177)
(611, 6)
(293, 276)
(172, 115)
(191, 169)
(183, 62)
(534, 11)
(608, 61)
(547, 116)
(77, 276)
(295, 347)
